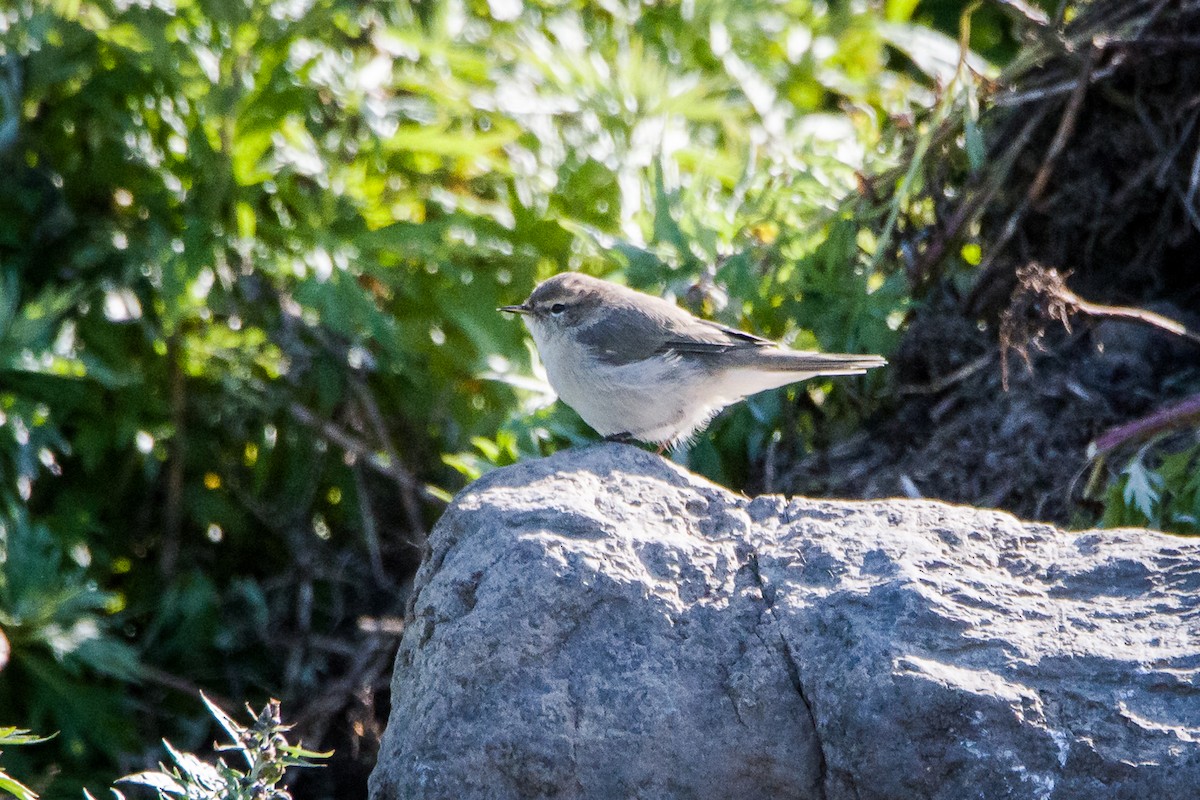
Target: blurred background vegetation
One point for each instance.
(250, 255)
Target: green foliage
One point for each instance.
(250, 254)
(8, 784)
(65, 656)
(1156, 490)
(262, 746)
(751, 206)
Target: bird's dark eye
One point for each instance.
(557, 309)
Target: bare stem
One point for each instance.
(1184, 414)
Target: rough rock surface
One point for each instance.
(601, 624)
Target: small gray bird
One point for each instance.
(638, 367)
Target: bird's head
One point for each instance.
(562, 303)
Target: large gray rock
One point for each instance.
(601, 624)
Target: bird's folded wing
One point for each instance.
(714, 338)
(627, 334)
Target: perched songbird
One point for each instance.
(638, 367)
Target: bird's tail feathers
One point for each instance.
(815, 363)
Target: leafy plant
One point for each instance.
(783, 233)
(65, 656)
(1156, 490)
(250, 254)
(263, 747)
(9, 784)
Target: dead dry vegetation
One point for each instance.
(1074, 343)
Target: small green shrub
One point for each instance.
(66, 658)
(1156, 490)
(261, 745)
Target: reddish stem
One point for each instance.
(1182, 414)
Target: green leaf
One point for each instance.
(1142, 489)
(232, 729)
(16, 788)
(899, 10)
(666, 227)
(19, 736)
(159, 781)
(934, 53)
(9, 297)
(975, 146)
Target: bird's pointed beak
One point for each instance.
(521, 309)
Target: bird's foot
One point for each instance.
(628, 438)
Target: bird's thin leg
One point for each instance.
(662, 449)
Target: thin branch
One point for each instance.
(168, 554)
(1042, 294)
(176, 683)
(360, 450)
(1189, 200)
(408, 499)
(370, 529)
(1184, 414)
(946, 381)
(1132, 314)
(1061, 87)
(368, 668)
(972, 207)
(1066, 127)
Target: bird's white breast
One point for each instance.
(658, 399)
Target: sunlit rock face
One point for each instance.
(602, 624)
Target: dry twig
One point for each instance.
(408, 497)
(361, 450)
(1042, 294)
(944, 382)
